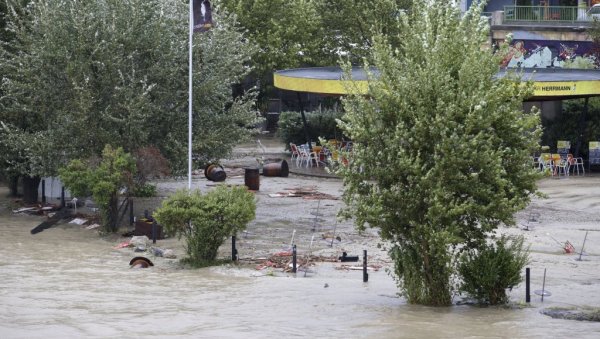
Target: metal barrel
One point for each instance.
(252, 178)
(276, 169)
(214, 172)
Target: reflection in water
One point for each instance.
(67, 282)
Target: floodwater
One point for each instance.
(67, 282)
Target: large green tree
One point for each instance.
(441, 146)
(287, 32)
(82, 74)
(302, 33)
(350, 25)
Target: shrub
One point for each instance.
(206, 220)
(144, 190)
(102, 180)
(487, 273)
(319, 124)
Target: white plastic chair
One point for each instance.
(576, 163)
(307, 157)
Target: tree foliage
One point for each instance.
(205, 220)
(302, 33)
(320, 124)
(441, 146)
(82, 74)
(487, 272)
(103, 181)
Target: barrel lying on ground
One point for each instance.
(215, 172)
(276, 169)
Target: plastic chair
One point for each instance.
(560, 165)
(307, 157)
(576, 163)
(295, 153)
(546, 163)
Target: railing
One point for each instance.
(545, 14)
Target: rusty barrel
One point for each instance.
(252, 178)
(276, 169)
(214, 172)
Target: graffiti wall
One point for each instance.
(547, 53)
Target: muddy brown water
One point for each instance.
(67, 282)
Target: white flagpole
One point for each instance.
(190, 98)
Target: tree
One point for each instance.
(287, 32)
(304, 33)
(441, 146)
(103, 180)
(89, 73)
(594, 33)
(350, 25)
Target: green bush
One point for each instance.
(103, 181)
(206, 220)
(319, 124)
(144, 190)
(487, 273)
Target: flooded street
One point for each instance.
(67, 282)
(71, 282)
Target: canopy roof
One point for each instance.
(549, 84)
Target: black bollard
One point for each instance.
(294, 259)
(234, 256)
(154, 232)
(62, 198)
(43, 191)
(527, 290)
(365, 274)
(131, 221)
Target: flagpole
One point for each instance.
(191, 29)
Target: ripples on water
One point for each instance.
(69, 283)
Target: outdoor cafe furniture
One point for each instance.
(561, 165)
(306, 157)
(576, 163)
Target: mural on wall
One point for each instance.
(547, 53)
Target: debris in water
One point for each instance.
(123, 245)
(78, 221)
(140, 262)
(348, 258)
(307, 192)
(92, 226)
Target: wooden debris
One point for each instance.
(358, 268)
(306, 192)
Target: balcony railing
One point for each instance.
(545, 14)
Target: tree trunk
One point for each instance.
(30, 189)
(13, 185)
(112, 215)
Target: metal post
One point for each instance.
(581, 127)
(527, 286)
(306, 135)
(154, 232)
(365, 274)
(234, 256)
(190, 84)
(131, 221)
(294, 258)
(544, 285)
(62, 198)
(43, 191)
(583, 246)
